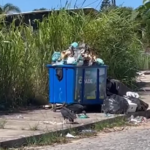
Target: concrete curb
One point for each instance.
(144, 90)
(143, 84)
(23, 141)
(146, 72)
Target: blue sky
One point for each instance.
(29, 5)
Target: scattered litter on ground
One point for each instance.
(85, 131)
(121, 99)
(70, 135)
(132, 106)
(52, 122)
(58, 104)
(109, 115)
(83, 116)
(108, 130)
(137, 120)
(47, 106)
(19, 117)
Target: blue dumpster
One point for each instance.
(71, 84)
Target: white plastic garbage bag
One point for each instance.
(71, 60)
(132, 94)
(70, 135)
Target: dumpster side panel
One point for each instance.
(62, 91)
(57, 88)
(102, 82)
(78, 85)
(94, 83)
(60, 88)
(51, 85)
(70, 84)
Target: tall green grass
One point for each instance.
(144, 61)
(24, 53)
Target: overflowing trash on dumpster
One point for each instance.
(76, 54)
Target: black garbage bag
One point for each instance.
(114, 86)
(141, 105)
(115, 104)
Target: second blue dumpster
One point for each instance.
(71, 84)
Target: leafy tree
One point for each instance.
(142, 16)
(125, 11)
(114, 2)
(39, 9)
(8, 8)
(105, 4)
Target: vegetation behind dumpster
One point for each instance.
(24, 53)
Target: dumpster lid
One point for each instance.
(74, 66)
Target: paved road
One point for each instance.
(132, 139)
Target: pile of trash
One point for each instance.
(121, 100)
(76, 54)
(137, 120)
